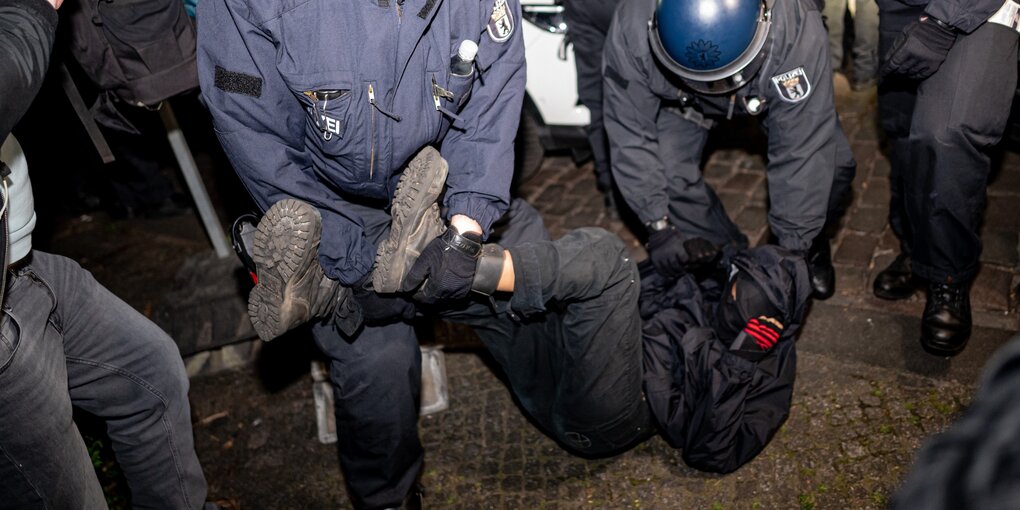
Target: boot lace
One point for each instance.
(947, 295)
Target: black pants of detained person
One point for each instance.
(583, 338)
(569, 339)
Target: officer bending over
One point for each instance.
(671, 68)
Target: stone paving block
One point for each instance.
(851, 280)
(752, 162)
(856, 249)
(1003, 213)
(760, 195)
(881, 167)
(1005, 182)
(865, 153)
(868, 131)
(733, 202)
(868, 219)
(743, 182)
(718, 171)
(1000, 247)
(752, 218)
(560, 205)
(888, 241)
(880, 261)
(551, 194)
(875, 192)
(991, 289)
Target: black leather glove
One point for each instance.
(700, 251)
(920, 49)
(666, 249)
(445, 268)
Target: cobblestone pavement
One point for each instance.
(866, 395)
(852, 430)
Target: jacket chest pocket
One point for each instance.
(340, 124)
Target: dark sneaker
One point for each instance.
(291, 289)
(896, 281)
(415, 220)
(946, 323)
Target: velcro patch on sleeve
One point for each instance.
(237, 83)
(615, 75)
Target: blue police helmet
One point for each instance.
(714, 46)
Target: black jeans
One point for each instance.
(569, 340)
(67, 341)
(940, 133)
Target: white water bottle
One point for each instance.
(462, 64)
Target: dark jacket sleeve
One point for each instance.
(719, 409)
(801, 133)
(481, 152)
(260, 125)
(630, 110)
(27, 29)
(965, 15)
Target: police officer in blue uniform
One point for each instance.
(326, 102)
(671, 68)
(950, 76)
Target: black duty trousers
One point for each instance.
(940, 133)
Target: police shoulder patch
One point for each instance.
(501, 22)
(793, 86)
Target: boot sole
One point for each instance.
(286, 241)
(416, 195)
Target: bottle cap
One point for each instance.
(467, 51)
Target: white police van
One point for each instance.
(552, 117)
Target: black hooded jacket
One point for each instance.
(720, 409)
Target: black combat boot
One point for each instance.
(823, 275)
(946, 324)
(416, 221)
(292, 289)
(896, 281)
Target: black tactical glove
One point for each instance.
(666, 250)
(445, 268)
(920, 49)
(700, 251)
(670, 252)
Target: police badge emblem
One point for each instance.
(501, 23)
(793, 86)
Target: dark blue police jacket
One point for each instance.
(326, 101)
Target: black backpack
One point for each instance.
(139, 52)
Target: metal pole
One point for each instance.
(187, 163)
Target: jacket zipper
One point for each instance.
(371, 153)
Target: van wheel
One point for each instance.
(528, 150)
